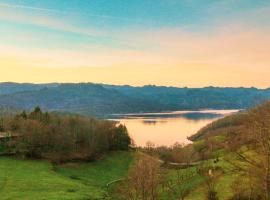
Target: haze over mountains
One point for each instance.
(101, 99)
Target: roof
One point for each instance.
(7, 135)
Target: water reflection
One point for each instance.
(168, 128)
(153, 121)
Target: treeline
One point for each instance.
(62, 138)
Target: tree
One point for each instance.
(143, 181)
(243, 190)
(200, 148)
(253, 158)
(36, 114)
(120, 138)
(150, 146)
(210, 175)
(182, 154)
(2, 125)
(176, 187)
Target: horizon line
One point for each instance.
(147, 85)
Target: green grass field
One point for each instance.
(223, 186)
(36, 180)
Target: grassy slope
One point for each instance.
(35, 180)
(191, 185)
(27, 180)
(217, 131)
(223, 186)
(197, 185)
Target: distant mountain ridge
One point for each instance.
(10, 87)
(102, 99)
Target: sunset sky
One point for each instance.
(192, 43)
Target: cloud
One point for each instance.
(29, 8)
(235, 48)
(247, 49)
(17, 6)
(46, 21)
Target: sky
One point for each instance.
(193, 43)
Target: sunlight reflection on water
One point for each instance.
(170, 127)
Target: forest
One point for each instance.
(60, 138)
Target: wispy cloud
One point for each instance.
(57, 20)
(64, 12)
(29, 8)
(46, 21)
(235, 46)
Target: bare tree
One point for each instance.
(253, 158)
(143, 181)
(176, 187)
(210, 175)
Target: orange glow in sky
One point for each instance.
(52, 43)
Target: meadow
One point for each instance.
(39, 180)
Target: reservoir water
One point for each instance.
(169, 127)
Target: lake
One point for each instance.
(169, 127)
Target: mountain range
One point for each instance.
(101, 100)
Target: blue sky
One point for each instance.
(163, 33)
(143, 13)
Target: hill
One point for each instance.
(100, 99)
(231, 157)
(60, 138)
(241, 141)
(86, 99)
(231, 123)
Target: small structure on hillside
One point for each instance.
(7, 139)
(7, 136)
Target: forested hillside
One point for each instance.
(242, 140)
(99, 99)
(87, 99)
(60, 138)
